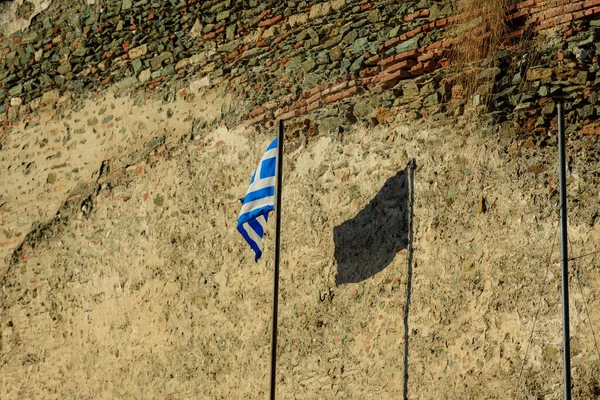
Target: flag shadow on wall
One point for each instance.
(367, 243)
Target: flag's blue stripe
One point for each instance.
(258, 228)
(264, 198)
(253, 245)
(267, 169)
(260, 194)
(273, 145)
(255, 213)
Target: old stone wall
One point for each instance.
(289, 60)
(128, 131)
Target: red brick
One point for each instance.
(288, 115)
(367, 6)
(591, 3)
(565, 18)
(373, 60)
(73, 197)
(257, 119)
(391, 42)
(270, 106)
(280, 111)
(429, 65)
(396, 76)
(592, 11)
(314, 97)
(417, 71)
(299, 44)
(406, 55)
(386, 61)
(446, 43)
(339, 87)
(441, 22)
(264, 14)
(282, 37)
(368, 72)
(406, 64)
(524, 4)
(271, 21)
(518, 33)
(257, 110)
(426, 57)
(544, 25)
(313, 91)
(368, 81)
(380, 87)
(313, 106)
(342, 95)
(428, 27)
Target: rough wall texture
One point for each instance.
(16, 15)
(292, 59)
(142, 287)
(130, 128)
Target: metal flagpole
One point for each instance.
(276, 267)
(564, 250)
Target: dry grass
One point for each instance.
(477, 37)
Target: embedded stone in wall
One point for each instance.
(138, 52)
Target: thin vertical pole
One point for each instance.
(564, 250)
(411, 204)
(276, 268)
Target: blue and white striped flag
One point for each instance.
(259, 200)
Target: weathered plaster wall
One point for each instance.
(129, 131)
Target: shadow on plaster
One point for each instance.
(369, 242)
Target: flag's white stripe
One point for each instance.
(256, 173)
(261, 220)
(261, 184)
(270, 154)
(253, 235)
(247, 207)
(257, 207)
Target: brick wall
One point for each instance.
(285, 60)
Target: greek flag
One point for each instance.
(259, 200)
